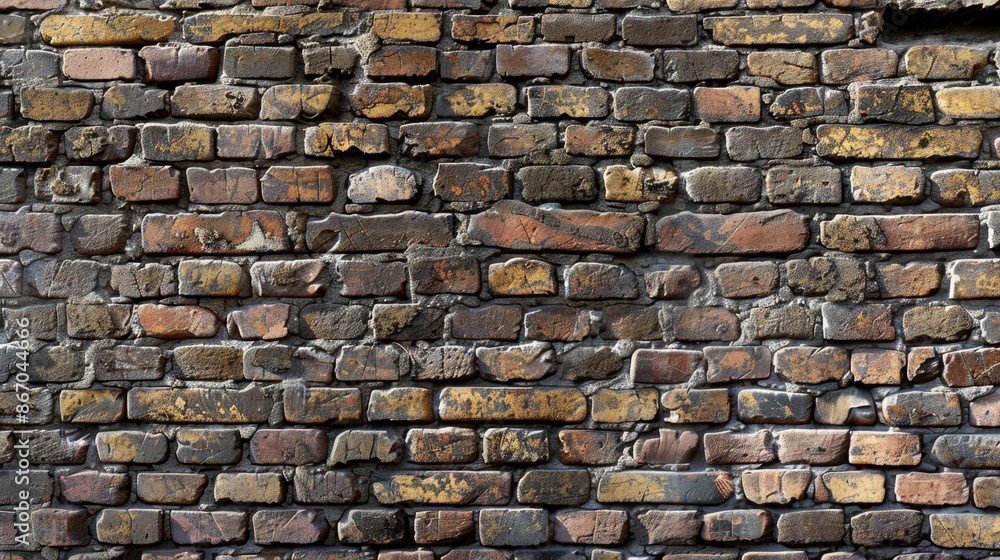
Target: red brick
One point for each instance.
(177, 321)
(298, 185)
(99, 64)
(921, 232)
(228, 233)
(748, 233)
(180, 63)
(230, 185)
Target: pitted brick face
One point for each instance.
(526, 280)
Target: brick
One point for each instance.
(785, 29)
(255, 141)
(259, 62)
(337, 60)
(403, 61)
(471, 183)
(439, 139)
(513, 527)
(705, 324)
(807, 364)
(850, 487)
(668, 447)
(287, 447)
(234, 233)
(492, 28)
(577, 28)
(900, 233)
(896, 141)
(761, 406)
(683, 66)
(472, 66)
(520, 404)
(813, 447)
(841, 66)
(593, 527)
(211, 528)
(91, 406)
(443, 488)
(663, 366)
(622, 184)
(514, 140)
(61, 30)
(180, 63)
(803, 185)
(532, 60)
(95, 487)
(214, 102)
(443, 445)
(370, 363)
(729, 104)
(962, 530)
(127, 446)
(313, 184)
(129, 526)
(617, 66)
(297, 101)
(744, 143)
(329, 139)
(943, 62)
(693, 406)
(973, 451)
(99, 64)
(570, 101)
(133, 101)
(177, 142)
(884, 449)
(889, 183)
(170, 488)
(659, 31)
(965, 368)
(568, 230)
(214, 27)
(145, 184)
(554, 487)
(99, 143)
(746, 280)
(900, 527)
(407, 27)
(936, 324)
(289, 527)
(877, 367)
(624, 405)
(932, 489)
(233, 406)
(662, 487)
(365, 445)
(776, 486)
(788, 68)
(407, 322)
(682, 141)
(710, 184)
(231, 185)
(401, 404)
(515, 446)
(362, 278)
(675, 282)
(736, 525)
(858, 322)
(27, 230)
(249, 488)
(898, 104)
(599, 141)
(442, 526)
(493, 322)
(50, 104)
(984, 491)
(779, 231)
(809, 527)
(60, 527)
(669, 527)
(372, 526)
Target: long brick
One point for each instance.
(514, 404)
(515, 225)
(781, 231)
(228, 233)
(917, 232)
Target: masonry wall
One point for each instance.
(539, 280)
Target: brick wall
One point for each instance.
(540, 280)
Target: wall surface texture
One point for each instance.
(539, 280)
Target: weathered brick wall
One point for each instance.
(540, 280)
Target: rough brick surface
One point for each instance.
(528, 280)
